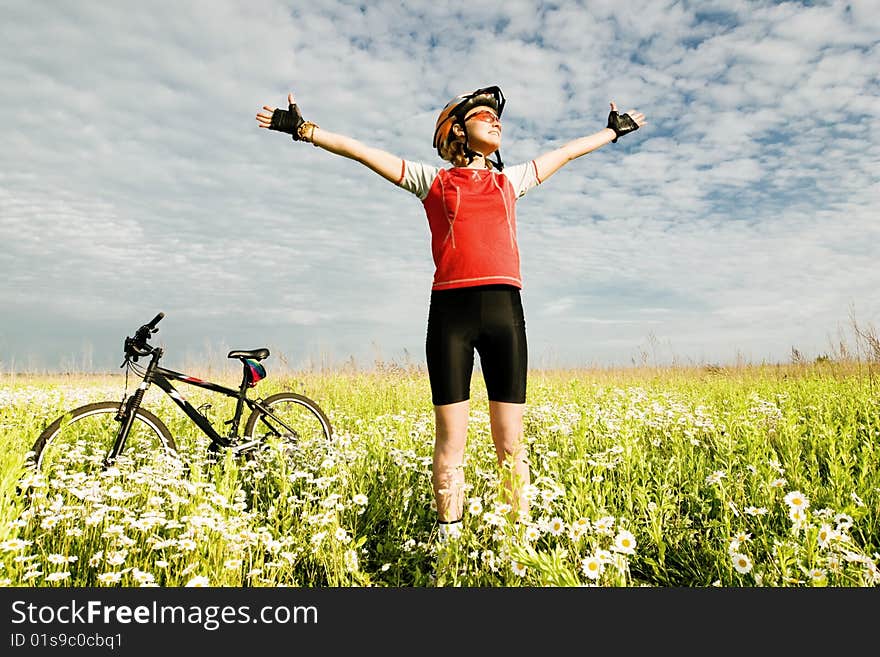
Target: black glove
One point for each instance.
(288, 121)
(620, 123)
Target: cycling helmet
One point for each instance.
(455, 110)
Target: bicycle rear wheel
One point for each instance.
(81, 439)
(291, 417)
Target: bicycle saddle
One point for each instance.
(256, 354)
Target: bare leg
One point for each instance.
(507, 433)
(448, 473)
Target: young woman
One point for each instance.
(475, 296)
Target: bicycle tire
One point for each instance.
(84, 436)
(304, 416)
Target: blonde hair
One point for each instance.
(454, 153)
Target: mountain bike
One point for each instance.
(108, 433)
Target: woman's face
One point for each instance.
(483, 129)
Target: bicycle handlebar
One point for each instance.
(156, 320)
(137, 346)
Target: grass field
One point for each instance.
(648, 476)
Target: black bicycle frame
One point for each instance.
(162, 377)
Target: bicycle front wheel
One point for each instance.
(81, 439)
(289, 416)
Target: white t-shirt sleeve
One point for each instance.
(522, 177)
(418, 178)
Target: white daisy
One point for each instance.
(741, 563)
(825, 536)
(199, 581)
(556, 526)
(109, 578)
(592, 567)
(624, 542)
(796, 500)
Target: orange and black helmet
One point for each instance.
(456, 108)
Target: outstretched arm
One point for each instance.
(618, 125)
(385, 164)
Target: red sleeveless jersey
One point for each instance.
(472, 217)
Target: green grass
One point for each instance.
(687, 477)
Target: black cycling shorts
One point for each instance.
(488, 318)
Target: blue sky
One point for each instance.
(739, 223)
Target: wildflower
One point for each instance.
(494, 520)
(109, 578)
(796, 500)
(741, 563)
(819, 576)
(187, 544)
(142, 577)
(592, 567)
(58, 559)
(317, 538)
(117, 558)
(715, 477)
(743, 537)
(778, 483)
(385, 567)
(798, 516)
(351, 560)
(756, 511)
(532, 533)
(14, 545)
(341, 535)
(57, 577)
(604, 556)
(49, 522)
(232, 564)
(556, 526)
(843, 522)
(199, 581)
(531, 492)
(624, 542)
(604, 526)
(360, 499)
(117, 493)
(518, 569)
(475, 506)
(577, 530)
(548, 495)
(825, 536)
(855, 498)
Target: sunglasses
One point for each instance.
(484, 115)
